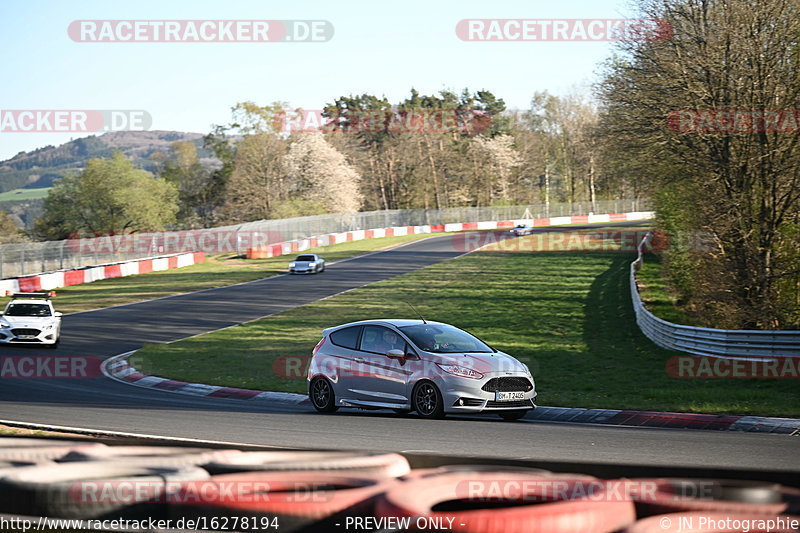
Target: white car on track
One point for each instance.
(521, 229)
(30, 318)
(307, 264)
(413, 365)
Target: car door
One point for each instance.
(383, 378)
(342, 357)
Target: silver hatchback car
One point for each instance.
(413, 365)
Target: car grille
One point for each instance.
(508, 384)
(24, 331)
(520, 403)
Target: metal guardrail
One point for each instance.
(711, 342)
(34, 257)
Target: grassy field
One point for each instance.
(657, 294)
(217, 271)
(566, 314)
(24, 194)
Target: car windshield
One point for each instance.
(28, 310)
(305, 258)
(442, 338)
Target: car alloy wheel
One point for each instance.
(322, 396)
(428, 400)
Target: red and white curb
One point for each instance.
(118, 368)
(77, 276)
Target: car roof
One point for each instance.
(29, 301)
(396, 322)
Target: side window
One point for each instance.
(377, 339)
(346, 338)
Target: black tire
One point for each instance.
(320, 392)
(427, 400)
(50, 490)
(513, 415)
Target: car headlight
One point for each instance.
(4, 324)
(528, 370)
(292, 265)
(48, 326)
(312, 264)
(460, 371)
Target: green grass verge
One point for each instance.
(216, 271)
(568, 315)
(657, 294)
(24, 194)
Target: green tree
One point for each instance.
(9, 232)
(197, 193)
(738, 187)
(110, 196)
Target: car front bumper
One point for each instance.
(47, 336)
(464, 395)
(302, 270)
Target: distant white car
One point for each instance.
(522, 229)
(29, 318)
(307, 264)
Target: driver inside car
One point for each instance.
(388, 341)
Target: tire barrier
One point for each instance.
(166, 456)
(449, 469)
(675, 495)
(508, 502)
(36, 450)
(381, 465)
(713, 523)
(322, 491)
(295, 501)
(87, 490)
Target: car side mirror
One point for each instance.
(56, 314)
(395, 354)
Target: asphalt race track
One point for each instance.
(103, 404)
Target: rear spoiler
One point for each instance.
(35, 295)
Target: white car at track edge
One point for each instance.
(30, 318)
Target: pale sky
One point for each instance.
(383, 48)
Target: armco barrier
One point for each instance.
(65, 278)
(289, 247)
(711, 342)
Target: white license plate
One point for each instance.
(26, 336)
(509, 396)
